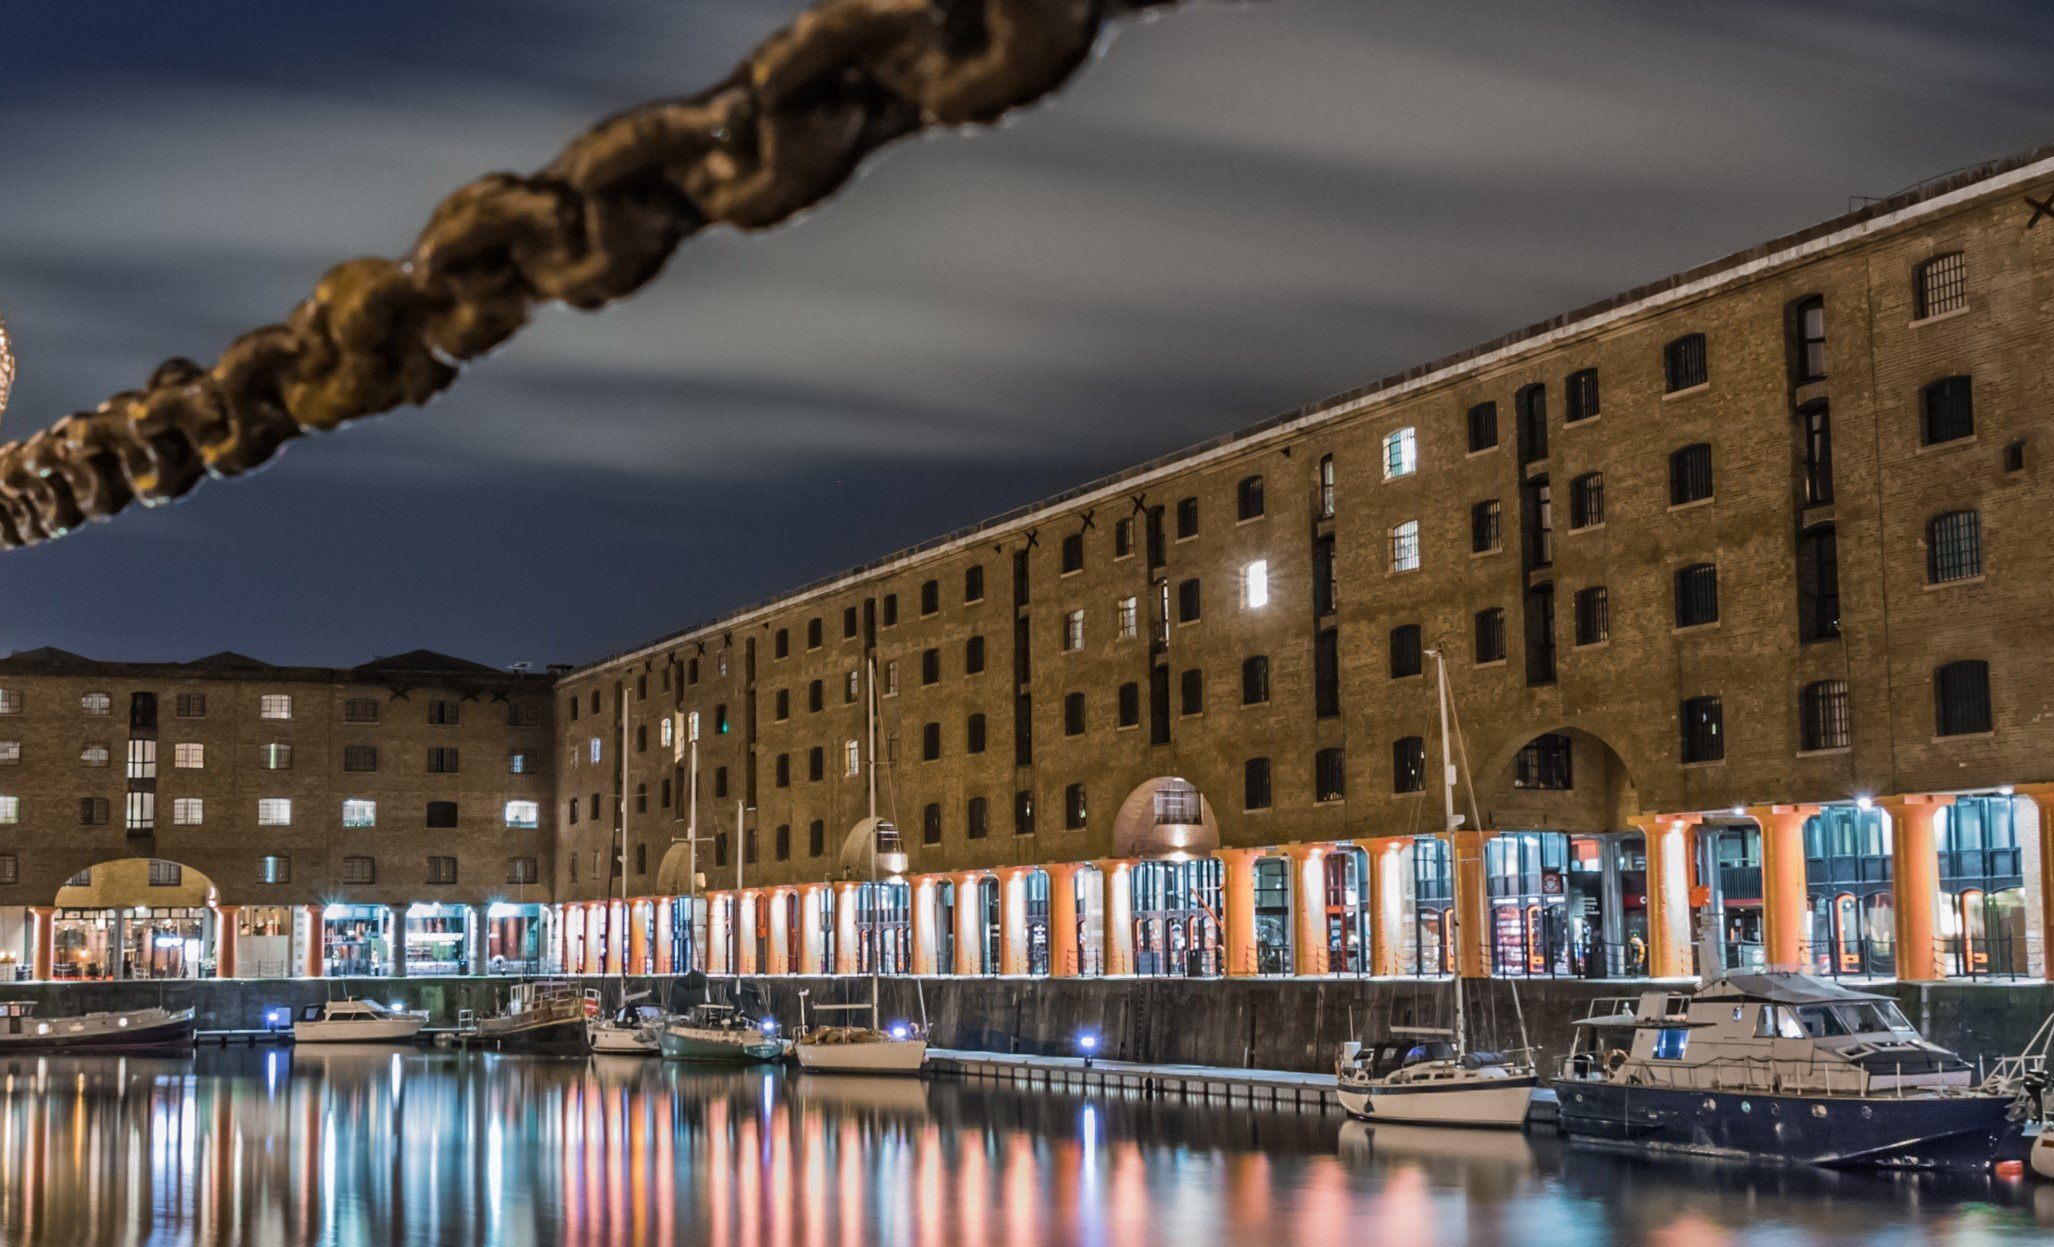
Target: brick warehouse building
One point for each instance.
(1730, 574)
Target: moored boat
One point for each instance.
(356, 1021)
(1438, 1085)
(130, 1030)
(720, 1035)
(630, 1031)
(1777, 1066)
(540, 1017)
(898, 1049)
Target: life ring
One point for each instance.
(1614, 1060)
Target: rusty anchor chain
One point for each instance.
(782, 132)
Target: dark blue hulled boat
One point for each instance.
(1780, 1067)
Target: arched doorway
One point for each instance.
(136, 918)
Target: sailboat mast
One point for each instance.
(620, 849)
(1450, 822)
(870, 770)
(734, 909)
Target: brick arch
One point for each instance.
(123, 883)
(1136, 834)
(674, 870)
(854, 859)
(1610, 796)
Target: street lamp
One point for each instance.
(1087, 1044)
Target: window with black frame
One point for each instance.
(1684, 363)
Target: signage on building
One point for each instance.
(1551, 883)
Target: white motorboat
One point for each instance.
(356, 1021)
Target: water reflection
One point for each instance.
(356, 1145)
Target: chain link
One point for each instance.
(782, 132)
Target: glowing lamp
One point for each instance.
(899, 1031)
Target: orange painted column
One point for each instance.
(225, 919)
(2042, 797)
(1915, 875)
(1308, 908)
(1671, 842)
(44, 921)
(809, 928)
(1012, 921)
(592, 960)
(638, 937)
(1786, 902)
(316, 938)
(846, 933)
(1386, 904)
(1118, 874)
(969, 925)
(1472, 904)
(666, 918)
(921, 888)
(1238, 867)
(1064, 959)
(749, 922)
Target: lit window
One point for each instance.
(1255, 585)
(1401, 453)
(1130, 619)
(10, 701)
(188, 812)
(852, 757)
(595, 749)
(274, 706)
(523, 814)
(359, 813)
(521, 762)
(274, 811)
(1073, 630)
(1405, 547)
(276, 757)
(93, 755)
(274, 868)
(10, 752)
(10, 811)
(189, 756)
(669, 731)
(95, 703)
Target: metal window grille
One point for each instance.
(1490, 635)
(92, 811)
(1177, 805)
(1954, 546)
(442, 761)
(1808, 330)
(1401, 453)
(1483, 426)
(1408, 764)
(1684, 361)
(1329, 775)
(1690, 474)
(1587, 500)
(1704, 730)
(1947, 411)
(1405, 651)
(1405, 547)
(1255, 784)
(274, 868)
(192, 705)
(1249, 498)
(1697, 595)
(1818, 454)
(1961, 697)
(442, 870)
(521, 870)
(443, 712)
(1581, 393)
(1533, 423)
(359, 870)
(1593, 615)
(1823, 716)
(1187, 518)
(1486, 526)
(1544, 763)
(1326, 487)
(1942, 285)
(165, 874)
(1255, 681)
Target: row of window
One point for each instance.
(275, 706)
(271, 811)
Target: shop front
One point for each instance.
(356, 941)
(437, 939)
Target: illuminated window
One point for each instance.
(274, 868)
(852, 757)
(10, 811)
(95, 703)
(523, 814)
(1073, 630)
(1130, 618)
(274, 811)
(1401, 453)
(595, 749)
(93, 755)
(1255, 585)
(668, 732)
(188, 812)
(1405, 547)
(10, 753)
(275, 756)
(357, 813)
(274, 706)
(189, 756)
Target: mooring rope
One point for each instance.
(778, 135)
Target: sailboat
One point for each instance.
(631, 1029)
(864, 1049)
(717, 1032)
(1441, 1080)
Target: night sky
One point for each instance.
(1236, 212)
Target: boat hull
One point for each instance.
(1499, 1103)
(378, 1030)
(621, 1041)
(714, 1047)
(887, 1056)
(564, 1037)
(2041, 1155)
(1848, 1132)
(173, 1032)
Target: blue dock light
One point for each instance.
(277, 1018)
(1087, 1043)
(768, 1026)
(899, 1030)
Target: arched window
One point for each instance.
(1581, 393)
(1954, 547)
(1401, 453)
(1940, 285)
(1684, 363)
(1807, 339)
(1690, 474)
(1947, 411)
(1483, 427)
(1248, 498)
(1587, 500)
(1593, 615)
(1326, 487)
(1818, 583)
(1697, 595)
(1255, 680)
(1823, 721)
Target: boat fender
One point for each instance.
(1614, 1060)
